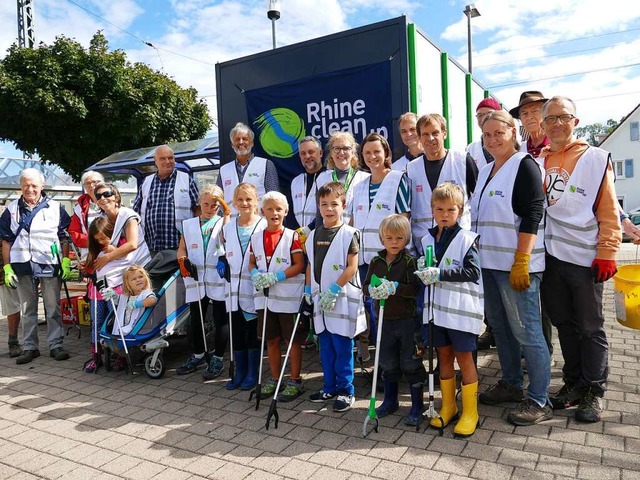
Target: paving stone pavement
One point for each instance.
(58, 422)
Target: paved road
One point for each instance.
(58, 422)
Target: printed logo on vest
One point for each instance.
(229, 254)
(382, 206)
(419, 188)
(194, 246)
(281, 261)
(496, 193)
(451, 261)
(227, 182)
(574, 189)
(337, 267)
(253, 174)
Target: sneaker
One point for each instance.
(590, 408)
(529, 413)
(27, 356)
(91, 366)
(486, 341)
(308, 345)
(191, 365)
(567, 396)
(343, 403)
(214, 369)
(15, 350)
(501, 392)
(268, 389)
(321, 396)
(59, 354)
(120, 364)
(292, 390)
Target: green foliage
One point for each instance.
(74, 106)
(590, 132)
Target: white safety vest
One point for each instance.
(34, 244)
(456, 305)
(128, 318)
(496, 223)
(477, 153)
(327, 177)
(571, 230)
(304, 206)
(367, 218)
(454, 170)
(255, 174)
(400, 164)
(347, 318)
(285, 296)
(113, 270)
(209, 282)
(241, 285)
(181, 198)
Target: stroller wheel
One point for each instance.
(154, 370)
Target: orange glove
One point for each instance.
(184, 268)
(519, 277)
(603, 270)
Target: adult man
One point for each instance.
(166, 199)
(437, 165)
(476, 149)
(304, 187)
(529, 112)
(29, 227)
(246, 167)
(582, 236)
(410, 138)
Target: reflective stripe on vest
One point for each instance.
(209, 281)
(35, 244)
(304, 206)
(255, 174)
(181, 198)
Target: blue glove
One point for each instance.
(307, 294)
(133, 304)
(329, 297)
(256, 278)
(281, 276)
(223, 268)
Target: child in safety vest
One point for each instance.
(234, 268)
(198, 253)
(456, 309)
(401, 344)
(276, 263)
(333, 286)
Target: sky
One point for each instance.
(588, 50)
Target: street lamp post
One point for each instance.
(273, 14)
(471, 12)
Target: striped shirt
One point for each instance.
(403, 199)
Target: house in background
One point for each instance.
(624, 144)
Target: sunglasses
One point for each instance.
(107, 194)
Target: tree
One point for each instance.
(74, 106)
(590, 132)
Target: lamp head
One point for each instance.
(274, 10)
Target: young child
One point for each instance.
(234, 267)
(333, 284)
(400, 346)
(99, 243)
(137, 295)
(457, 308)
(276, 262)
(199, 248)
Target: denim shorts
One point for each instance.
(460, 341)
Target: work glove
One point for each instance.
(307, 295)
(65, 268)
(257, 279)
(429, 275)
(329, 297)
(10, 278)
(185, 267)
(602, 270)
(303, 234)
(108, 293)
(223, 268)
(132, 304)
(421, 263)
(269, 279)
(519, 276)
(384, 290)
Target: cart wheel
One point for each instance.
(155, 370)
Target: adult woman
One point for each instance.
(85, 211)
(128, 235)
(509, 192)
(342, 166)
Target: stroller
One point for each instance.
(148, 336)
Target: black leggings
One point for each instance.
(220, 321)
(245, 332)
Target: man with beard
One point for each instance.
(258, 171)
(304, 186)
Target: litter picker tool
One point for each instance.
(194, 274)
(119, 323)
(372, 415)
(430, 412)
(95, 356)
(55, 251)
(232, 367)
(256, 391)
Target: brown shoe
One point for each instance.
(27, 356)
(529, 413)
(15, 350)
(501, 392)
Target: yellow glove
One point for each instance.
(519, 277)
(10, 278)
(303, 233)
(66, 268)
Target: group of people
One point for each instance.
(518, 236)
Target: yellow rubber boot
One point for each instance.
(469, 420)
(449, 409)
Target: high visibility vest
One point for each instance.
(181, 198)
(255, 174)
(304, 206)
(209, 282)
(34, 244)
(477, 153)
(359, 176)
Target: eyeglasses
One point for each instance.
(107, 194)
(341, 149)
(551, 119)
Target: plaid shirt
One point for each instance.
(160, 231)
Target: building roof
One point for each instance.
(623, 121)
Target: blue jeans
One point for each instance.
(336, 355)
(517, 327)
